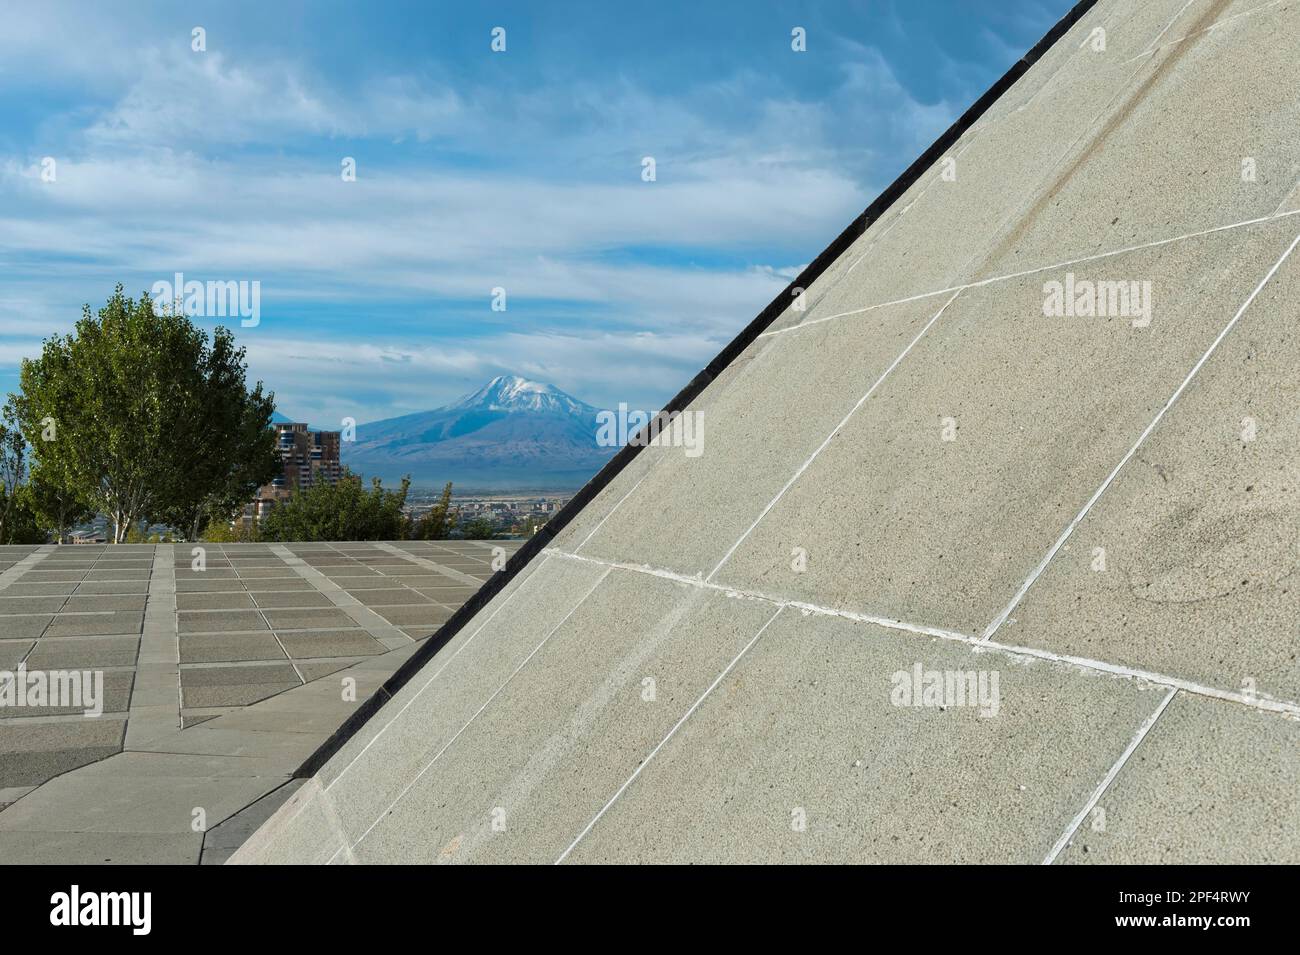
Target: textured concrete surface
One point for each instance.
(922, 469)
(1213, 782)
(32, 752)
(469, 671)
(806, 724)
(1201, 571)
(785, 401)
(938, 507)
(1169, 149)
(567, 729)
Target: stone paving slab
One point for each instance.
(97, 603)
(90, 624)
(24, 625)
(76, 653)
(59, 847)
(235, 685)
(300, 599)
(229, 647)
(1212, 783)
(115, 696)
(328, 643)
(25, 589)
(216, 621)
(308, 619)
(26, 605)
(806, 731)
(153, 804)
(32, 752)
(1190, 563)
(220, 600)
(113, 587)
(13, 652)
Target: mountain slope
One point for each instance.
(510, 434)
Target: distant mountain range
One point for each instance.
(511, 434)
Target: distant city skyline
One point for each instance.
(126, 154)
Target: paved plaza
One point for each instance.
(220, 656)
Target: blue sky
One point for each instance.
(475, 170)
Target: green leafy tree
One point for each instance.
(22, 526)
(224, 532)
(478, 529)
(13, 471)
(438, 523)
(338, 512)
(148, 420)
(53, 506)
(235, 451)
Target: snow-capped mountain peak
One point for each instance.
(511, 433)
(511, 393)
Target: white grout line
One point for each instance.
(698, 582)
(830, 437)
(302, 680)
(1253, 701)
(687, 715)
(1108, 779)
(978, 644)
(486, 703)
(1065, 535)
(1034, 271)
(429, 682)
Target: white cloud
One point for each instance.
(185, 98)
(420, 235)
(227, 167)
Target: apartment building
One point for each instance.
(306, 457)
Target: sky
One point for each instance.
(127, 155)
